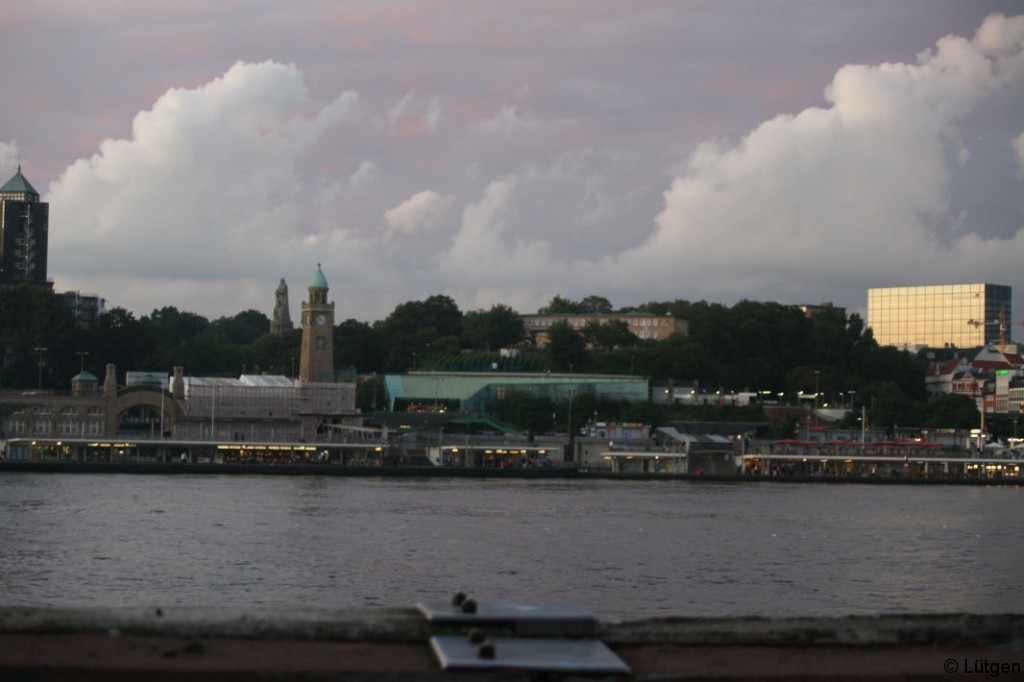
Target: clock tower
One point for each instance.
(316, 362)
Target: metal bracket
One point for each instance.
(515, 653)
(528, 620)
(544, 643)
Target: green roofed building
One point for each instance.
(478, 392)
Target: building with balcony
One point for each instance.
(87, 308)
(24, 229)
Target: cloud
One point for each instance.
(485, 254)
(422, 211)
(413, 114)
(855, 191)
(506, 122)
(206, 184)
(397, 112)
(363, 177)
(432, 114)
(9, 157)
(1018, 148)
(551, 171)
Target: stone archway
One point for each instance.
(141, 411)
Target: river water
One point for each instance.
(626, 550)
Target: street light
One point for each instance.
(817, 375)
(40, 351)
(572, 441)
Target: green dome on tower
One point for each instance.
(319, 281)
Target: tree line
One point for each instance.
(750, 346)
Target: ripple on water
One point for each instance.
(625, 549)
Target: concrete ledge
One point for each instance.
(315, 644)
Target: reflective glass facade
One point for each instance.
(944, 315)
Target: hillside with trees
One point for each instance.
(750, 346)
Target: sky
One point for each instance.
(195, 153)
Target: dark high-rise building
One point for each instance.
(24, 226)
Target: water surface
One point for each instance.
(625, 549)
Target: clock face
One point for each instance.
(321, 319)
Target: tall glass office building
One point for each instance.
(944, 315)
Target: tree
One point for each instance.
(212, 353)
(357, 344)
(33, 317)
(371, 396)
(171, 327)
(829, 339)
(889, 363)
(526, 411)
(595, 304)
(682, 358)
(608, 335)
(560, 306)
(565, 349)
(245, 327)
(890, 406)
(277, 353)
(565, 306)
(124, 341)
(413, 327)
(499, 327)
(952, 411)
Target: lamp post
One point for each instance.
(817, 376)
(572, 441)
(40, 351)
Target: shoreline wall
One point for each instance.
(171, 643)
(152, 468)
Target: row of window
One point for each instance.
(938, 290)
(45, 427)
(67, 410)
(577, 322)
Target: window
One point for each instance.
(321, 342)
